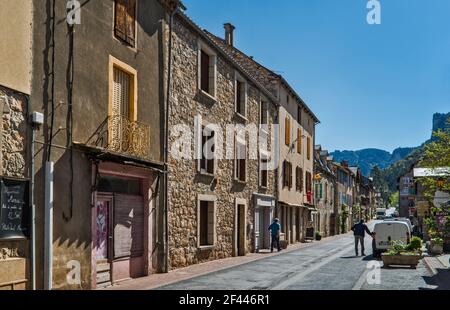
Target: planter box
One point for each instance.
(283, 244)
(401, 260)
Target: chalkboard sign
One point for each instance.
(14, 215)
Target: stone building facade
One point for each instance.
(324, 192)
(212, 207)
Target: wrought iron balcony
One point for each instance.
(120, 135)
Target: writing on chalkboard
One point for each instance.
(14, 215)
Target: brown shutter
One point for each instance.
(287, 131)
(131, 22)
(204, 72)
(308, 155)
(128, 226)
(120, 18)
(299, 141)
(284, 174)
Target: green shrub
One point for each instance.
(415, 245)
(437, 241)
(397, 248)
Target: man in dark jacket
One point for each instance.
(275, 230)
(359, 230)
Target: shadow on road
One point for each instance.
(441, 280)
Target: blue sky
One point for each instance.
(372, 86)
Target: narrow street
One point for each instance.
(328, 265)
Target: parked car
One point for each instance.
(387, 232)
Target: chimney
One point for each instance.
(229, 33)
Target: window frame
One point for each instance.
(212, 202)
(203, 128)
(212, 93)
(239, 142)
(263, 155)
(243, 99)
(116, 63)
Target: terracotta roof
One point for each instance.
(266, 77)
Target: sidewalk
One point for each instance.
(439, 267)
(162, 279)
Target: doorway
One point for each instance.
(241, 231)
(102, 242)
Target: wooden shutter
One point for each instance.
(284, 174)
(299, 141)
(290, 175)
(125, 20)
(301, 179)
(120, 17)
(308, 146)
(204, 71)
(128, 226)
(239, 97)
(121, 93)
(287, 131)
(131, 22)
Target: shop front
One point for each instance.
(264, 215)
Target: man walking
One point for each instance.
(275, 229)
(359, 230)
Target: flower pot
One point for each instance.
(437, 249)
(318, 238)
(411, 260)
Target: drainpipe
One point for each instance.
(48, 230)
(166, 143)
(36, 119)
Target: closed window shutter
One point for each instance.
(131, 22)
(239, 97)
(308, 155)
(121, 93)
(299, 141)
(287, 131)
(301, 180)
(125, 20)
(284, 173)
(120, 18)
(128, 226)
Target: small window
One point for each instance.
(241, 96)
(206, 223)
(287, 174)
(299, 141)
(240, 160)
(125, 21)
(207, 70)
(263, 171)
(287, 131)
(299, 179)
(207, 161)
(264, 113)
(308, 148)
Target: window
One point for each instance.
(299, 141)
(299, 115)
(264, 113)
(263, 180)
(287, 174)
(207, 161)
(240, 160)
(241, 95)
(326, 191)
(308, 148)
(207, 70)
(123, 90)
(287, 131)
(206, 225)
(125, 21)
(287, 99)
(308, 182)
(299, 179)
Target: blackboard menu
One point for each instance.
(14, 212)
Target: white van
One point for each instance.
(402, 219)
(381, 213)
(387, 232)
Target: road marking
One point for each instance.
(296, 278)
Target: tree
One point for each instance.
(437, 155)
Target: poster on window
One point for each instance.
(102, 230)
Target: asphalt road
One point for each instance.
(326, 265)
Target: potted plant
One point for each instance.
(318, 236)
(437, 246)
(402, 254)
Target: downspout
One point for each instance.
(166, 144)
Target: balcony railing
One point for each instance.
(120, 135)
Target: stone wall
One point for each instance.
(13, 133)
(185, 184)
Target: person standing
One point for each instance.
(275, 229)
(359, 230)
